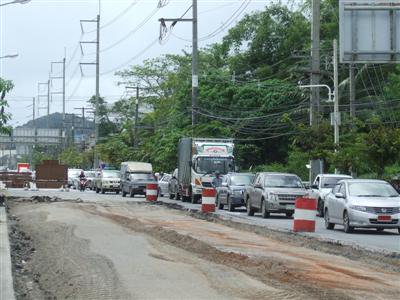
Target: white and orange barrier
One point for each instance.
(208, 200)
(151, 191)
(304, 215)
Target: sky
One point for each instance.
(41, 31)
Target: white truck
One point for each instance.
(198, 161)
(321, 187)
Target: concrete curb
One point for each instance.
(6, 280)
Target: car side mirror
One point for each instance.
(339, 195)
(314, 186)
(224, 184)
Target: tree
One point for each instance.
(74, 158)
(5, 87)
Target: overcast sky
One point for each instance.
(39, 32)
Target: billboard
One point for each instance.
(369, 31)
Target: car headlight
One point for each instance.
(273, 197)
(359, 208)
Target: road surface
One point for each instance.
(114, 249)
(389, 240)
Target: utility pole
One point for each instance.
(336, 115)
(136, 141)
(352, 91)
(97, 94)
(315, 165)
(136, 126)
(48, 103)
(41, 95)
(33, 112)
(315, 60)
(62, 92)
(195, 55)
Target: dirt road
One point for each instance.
(137, 251)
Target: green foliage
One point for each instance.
(74, 158)
(5, 87)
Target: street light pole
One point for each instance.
(16, 2)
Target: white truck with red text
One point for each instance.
(198, 161)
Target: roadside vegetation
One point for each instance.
(248, 91)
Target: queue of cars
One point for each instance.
(353, 203)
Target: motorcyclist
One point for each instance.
(82, 175)
(217, 181)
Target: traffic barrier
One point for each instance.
(32, 186)
(208, 200)
(304, 215)
(151, 191)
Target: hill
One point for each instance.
(55, 121)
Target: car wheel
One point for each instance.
(131, 194)
(398, 229)
(328, 225)
(123, 193)
(289, 214)
(177, 196)
(346, 223)
(103, 191)
(230, 205)
(250, 210)
(117, 192)
(264, 212)
(219, 204)
(97, 190)
(379, 229)
(171, 196)
(320, 208)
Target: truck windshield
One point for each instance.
(210, 165)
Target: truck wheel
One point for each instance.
(177, 196)
(250, 210)
(320, 208)
(97, 190)
(264, 212)
(171, 196)
(131, 193)
(117, 192)
(103, 191)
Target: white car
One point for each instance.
(73, 174)
(322, 186)
(163, 184)
(362, 203)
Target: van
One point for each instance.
(135, 176)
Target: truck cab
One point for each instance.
(199, 160)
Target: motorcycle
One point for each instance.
(82, 184)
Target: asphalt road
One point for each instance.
(389, 240)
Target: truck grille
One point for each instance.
(383, 210)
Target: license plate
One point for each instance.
(290, 207)
(385, 218)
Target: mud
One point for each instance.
(50, 261)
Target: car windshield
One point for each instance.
(74, 172)
(111, 174)
(372, 189)
(283, 181)
(241, 179)
(208, 165)
(142, 176)
(330, 182)
(89, 174)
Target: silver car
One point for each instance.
(273, 193)
(362, 203)
(163, 185)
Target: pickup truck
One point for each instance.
(321, 187)
(273, 193)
